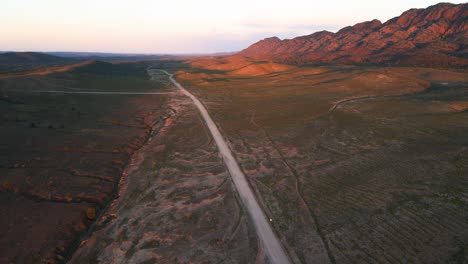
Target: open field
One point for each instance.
(353, 164)
(94, 163)
(176, 202)
(62, 155)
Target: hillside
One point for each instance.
(108, 56)
(31, 59)
(112, 69)
(435, 37)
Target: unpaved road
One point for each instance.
(270, 243)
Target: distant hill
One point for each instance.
(108, 56)
(111, 69)
(10, 59)
(435, 37)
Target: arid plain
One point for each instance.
(361, 164)
(352, 164)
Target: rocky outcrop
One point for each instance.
(435, 37)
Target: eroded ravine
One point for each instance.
(176, 203)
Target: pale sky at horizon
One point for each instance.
(177, 26)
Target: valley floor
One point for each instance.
(177, 203)
(349, 164)
(360, 164)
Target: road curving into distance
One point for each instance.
(269, 241)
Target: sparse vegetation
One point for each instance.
(368, 150)
(351, 163)
(44, 146)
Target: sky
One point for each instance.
(177, 26)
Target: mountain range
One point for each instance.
(436, 36)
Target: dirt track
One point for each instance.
(270, 243)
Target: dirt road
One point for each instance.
(270, 243)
